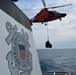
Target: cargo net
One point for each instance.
(48, 44)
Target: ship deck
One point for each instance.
(56, 73)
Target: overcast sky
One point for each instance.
(62, 34)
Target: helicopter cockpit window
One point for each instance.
(50, 14)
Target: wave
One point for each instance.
(63, 60)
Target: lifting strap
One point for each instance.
(47, 33)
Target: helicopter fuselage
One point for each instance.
(46, 15)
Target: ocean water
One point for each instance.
(58, 60)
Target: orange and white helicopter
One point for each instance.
(46, 15)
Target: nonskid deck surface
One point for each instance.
(56, 73)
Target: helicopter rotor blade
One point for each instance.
(59, 6)
(49, 7)
(44, 3)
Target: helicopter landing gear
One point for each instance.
(45, 24)
(42, 22)
(60, 19)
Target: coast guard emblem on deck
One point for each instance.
(19, 58)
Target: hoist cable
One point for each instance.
(47, 32)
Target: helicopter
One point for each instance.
(46, 15)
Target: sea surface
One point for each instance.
(57, 60)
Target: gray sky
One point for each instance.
(62, 34)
